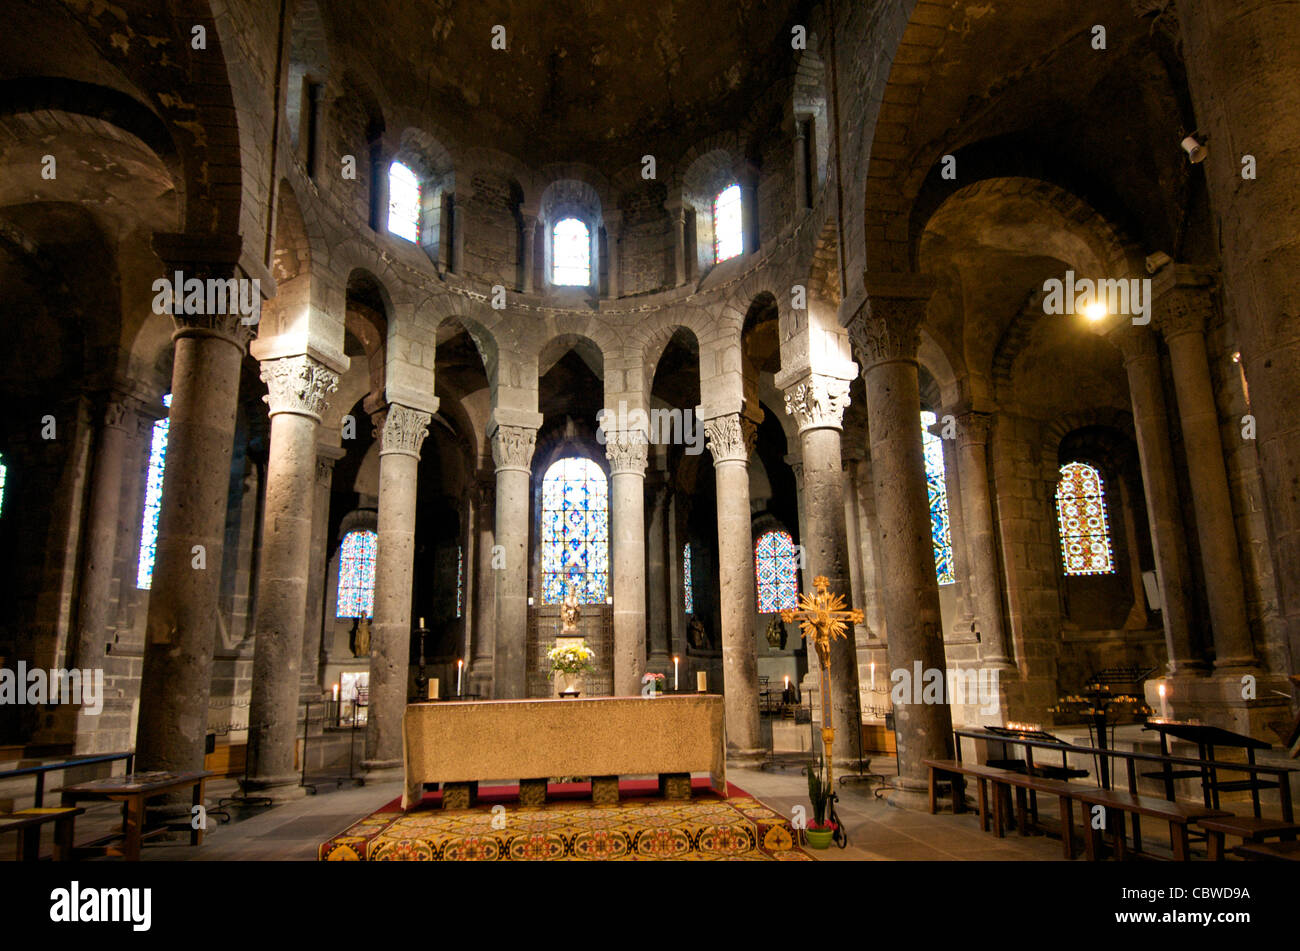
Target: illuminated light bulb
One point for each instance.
(1094, 310)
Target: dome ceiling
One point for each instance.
(598, 81)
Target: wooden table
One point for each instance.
(462, 744)
(28, 822)
(132, 791)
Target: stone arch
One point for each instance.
(585, 347)
(1054, 432)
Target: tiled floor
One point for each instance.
(292, 831)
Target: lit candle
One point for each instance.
(460, 665)
(674, 673)
(873, 675)
(1164, 702)
(701, 681)
(787, 681)
(422, 622)
(336, 693)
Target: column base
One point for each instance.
(910, 794)
(745, 757)
(276, 788)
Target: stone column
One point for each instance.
(299, 388)
(977, 508)
(801, 197)
(1243, 73)
(1183, 304)
(181, 627)
(530, 252)
(94, 604)
(886, 336)
(1168, 544)
(731, 440)
(512, 451)
(310, 687)
(480, 674)
(401, 431)
(749, 208)
(627, 452)
(818, 402)
(677, 214)
(613, 230)
(659, 601)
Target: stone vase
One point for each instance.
(569, 682)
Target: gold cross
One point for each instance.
(822, 619)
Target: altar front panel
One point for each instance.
(534, 739)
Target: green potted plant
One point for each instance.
(819, 831)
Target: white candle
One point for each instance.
(421, 622)
(1164, 702)
(701, 681)
(674, 673)
(336, 693)
(787, 681)
(873, 675)
(460, 665)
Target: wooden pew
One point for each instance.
(1247, 828)
(28, 822)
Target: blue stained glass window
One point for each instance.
(575, 532)
(776, 570)
(4, 470)
(357, 574)
(460, 581)
(153, 487)
(688, 592)
(940, 528)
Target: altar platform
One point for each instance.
(642, 826)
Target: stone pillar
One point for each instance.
(1168, 544)
(1257, 228)
(731, 440)
(801, 196)
(677, 214)
(380, 160)
(512, 451)
(613, 231)
(886, 336)
(818, 402)
(95, 603)
(401, 431)
(530, 252)
(310, 687)
(749, 208)
(977, 509)
(627, 452)
(853, 526)
(1184, 304)
(181, 627)
(480, 673)
(299, 388)
(659, 601)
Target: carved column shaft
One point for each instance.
(986, 590)
(318, 565)
(627, 454)
(512, 451)
(484, 583)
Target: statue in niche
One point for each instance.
(569, 614)
(776, 633)
(361, 637)
(697, 635)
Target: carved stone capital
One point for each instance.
(401, 430)
(818, 402)
(627, 451)
(730, 437)
(1135, 342)
(887, 329)
(973, 429)
(512, 447)
(1184, 310)
(298, 385)
(116, 413)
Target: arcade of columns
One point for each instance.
(1261, 253)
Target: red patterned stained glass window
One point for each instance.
(1084, 525)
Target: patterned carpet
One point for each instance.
(703, 828)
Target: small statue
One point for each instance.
(776, 634)
(361, 638)
(569, 614)
(696, 634)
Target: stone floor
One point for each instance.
(292, 831)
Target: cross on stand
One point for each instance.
(822, 619)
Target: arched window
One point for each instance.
(403, 202)
(688, 589)
(776, 569)
(937, 485)
(575, 532)
(570, 253)
(728, 240)
(357, 574)
(1081, 517)
(153, 487)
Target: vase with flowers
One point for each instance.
(652, 684)
(568, 663)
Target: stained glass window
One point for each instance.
(460, 581)
(727, 233)
(153, 487)
(776, 569)
(357, 574)
(1081, 516)
(575, 532)
(403, 202)
(4, 470)
(688, 589)
(571, 253)
(937, 485)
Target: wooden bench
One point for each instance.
(1248, 828)
(1177, 814)
(1269, 851)
(28, 822)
